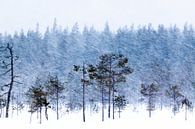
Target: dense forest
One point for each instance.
(72, 69)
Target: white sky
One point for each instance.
(18, 14)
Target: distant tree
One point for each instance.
(8, 63)
(150, 92)
(120, 103)
(84, 82)
(188, 105)
(174, 93)
(38, 99)
(54, 88)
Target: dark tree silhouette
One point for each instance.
(38, 100)
(111, 70)
(150, 92)
(8, 63)
(84, 82)
(120, 103)
(188, 105)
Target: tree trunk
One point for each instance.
(11, 83)
(149, 106)
(109, 85)
(113, 102)
(186, 110)
(119, 111)
(83, 93)
(102, 103)
(40, 112)
(46, 114)
(57, 104)
(109, 101)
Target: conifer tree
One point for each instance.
(120, 103)
(174, 94)
(54, 88)
(150, 92)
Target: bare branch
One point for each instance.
(18, 82)
(5, 72)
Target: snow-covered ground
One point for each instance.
(129, 120)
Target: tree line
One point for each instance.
(161, 60)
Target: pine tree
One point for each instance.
(38, 99)
(54, 88)
(111, 70)
(188, 105)
(150, 92)
(175, 95)
(120, 103)
(84, 82)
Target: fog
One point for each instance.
(25, 14)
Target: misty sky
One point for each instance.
(18, 14)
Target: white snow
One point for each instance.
(129, 120)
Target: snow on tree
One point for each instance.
(120, 103)
(150, 92)
(175, 94)
(54, 89)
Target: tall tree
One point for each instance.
(84, 82)
(8, 63)
(114, 68)
(54, 88)
(98, 74)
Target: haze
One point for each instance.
(25, 14)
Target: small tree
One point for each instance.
(54, 88)
(188, 105)
(38, 100)
(120, 103)
(175, 95)
(150, 92)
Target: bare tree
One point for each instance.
(8, 63)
